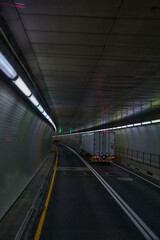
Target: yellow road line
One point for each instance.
(40, 225)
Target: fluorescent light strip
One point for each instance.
(155, 121)
(55, 127)
(6, 67)
(130, 125)
(40, 108)
(137, 124)
(50, 120)
(125, 126)
(146, 123)
(44, 114)
(36, 103)
(9, 71)
(33, 100)
(22, 86)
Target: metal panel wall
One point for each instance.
(142, 141)
(70, 140)
(24, 144)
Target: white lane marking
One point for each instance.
(143, 228)
(125, 179)
(136, 175)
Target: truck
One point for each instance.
(98, 146)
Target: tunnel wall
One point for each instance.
(140, 144)
(24, 145)
(71, 140)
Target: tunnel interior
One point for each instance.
(69, 68)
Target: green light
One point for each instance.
(70, 130)
(60, 129)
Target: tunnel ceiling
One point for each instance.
(94, 61)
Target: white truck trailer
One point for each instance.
(99, 146)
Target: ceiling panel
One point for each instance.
(94, 61)
(66, 49)
(67, 60)
(101, 8)
(65, 74)
(67, 38)
(144, 9)
(137, 27)
(66, 24)
(132, 53)
(140, 41)
(45, 67)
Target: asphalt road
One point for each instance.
(80, 207)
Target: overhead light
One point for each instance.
(146, 123)
(6, 67)
(155, 121)
(55, 127)
(44, 114)
(130, 125)
(40, 108)
(34, 100)
(137, 124)
(9, 71)
(50, 120)
(119, 127)
(22, 86)
(124, 126)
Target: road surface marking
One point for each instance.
(136, 175)
(143, 228)
(40, 225)
(125, 179)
